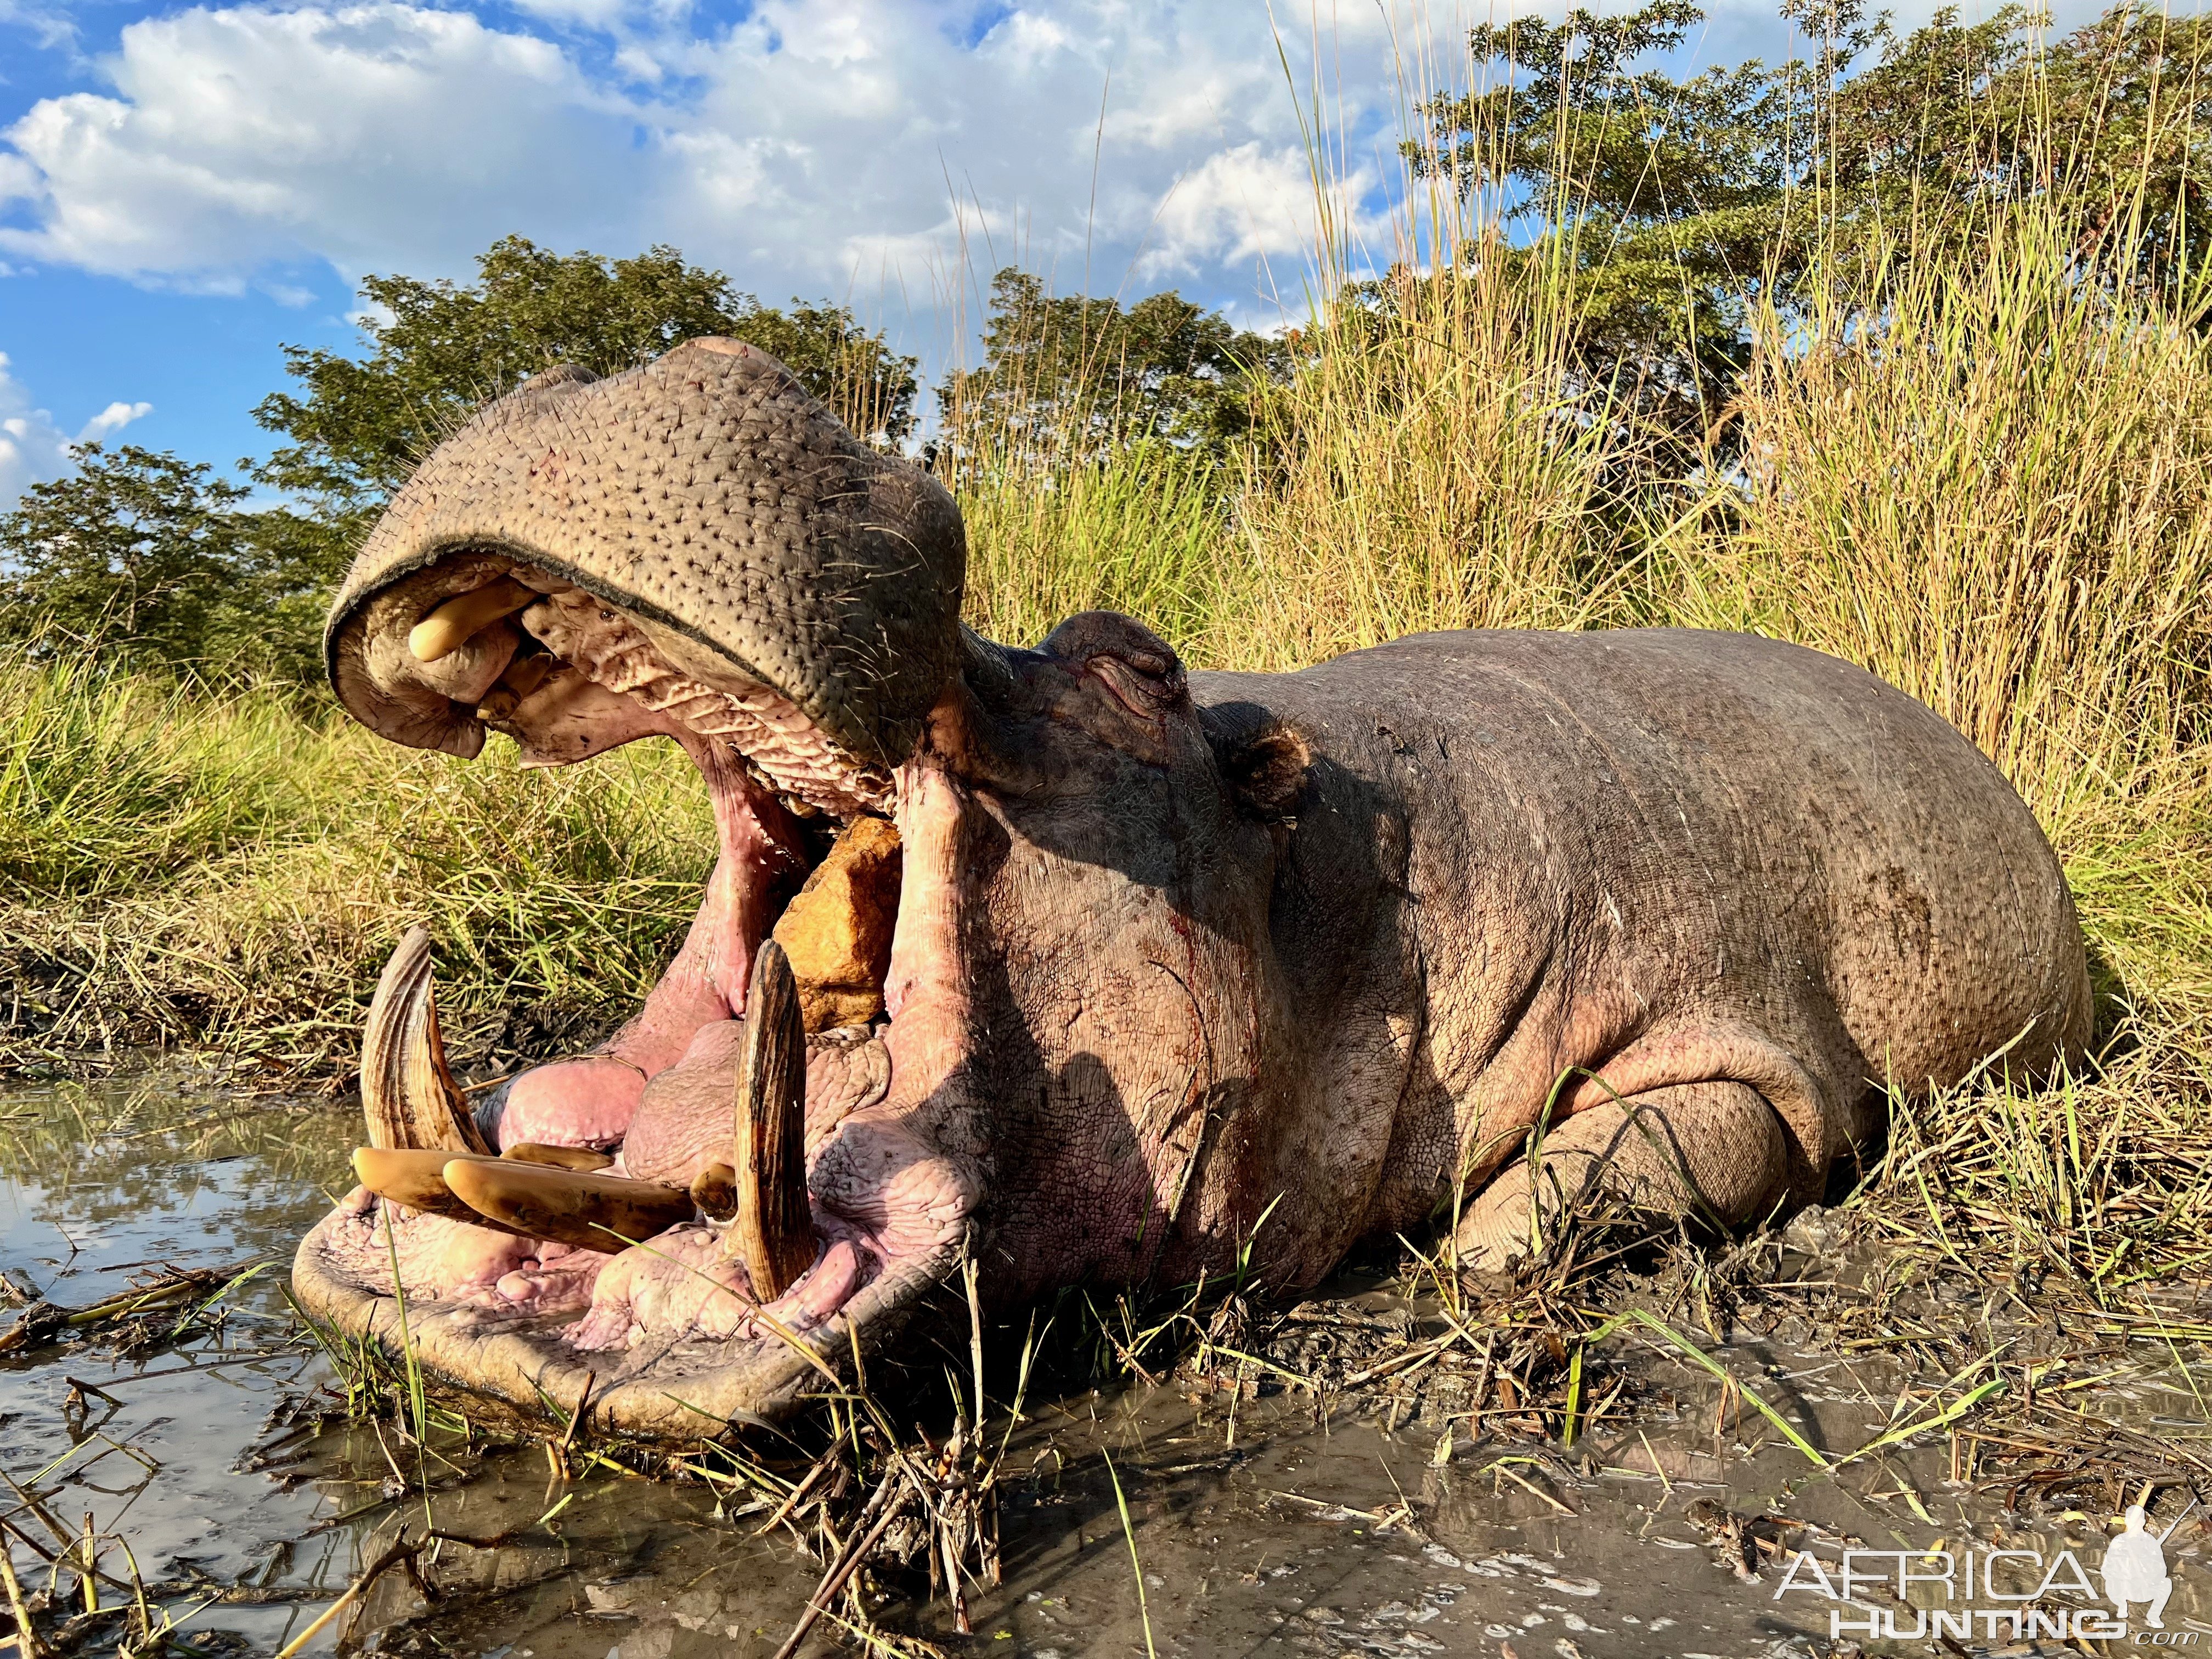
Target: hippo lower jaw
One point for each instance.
(671, 1331)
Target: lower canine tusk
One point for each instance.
(589, 1211)
(461, 618)
(775, 1228)
(407, 1094)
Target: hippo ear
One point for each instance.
(1136, 664)
(1267, 770)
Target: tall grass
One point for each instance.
(1447, 467)
(1138, 531)
(180, 864)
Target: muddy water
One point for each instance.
(1275, 1534)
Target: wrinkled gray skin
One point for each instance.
(1174, 950)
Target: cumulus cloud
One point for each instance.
(889, 152)
(884, 151)
(111, 419)
(243, 138)
(32, 447)
(1250, 203)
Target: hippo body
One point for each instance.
(1508, 863)
(1112, 975)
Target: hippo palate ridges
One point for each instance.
(1086, 971)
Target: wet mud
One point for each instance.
(206, 1441)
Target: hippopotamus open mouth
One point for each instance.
(1100, 972)
(695, 551)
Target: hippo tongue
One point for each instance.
(706, 494)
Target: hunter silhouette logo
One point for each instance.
(2135, 1570)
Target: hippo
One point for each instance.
(1021, 970)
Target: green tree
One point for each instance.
(1666, 206)
(1657, 202)
(357, 426)
(1061, 369)
(149, 555)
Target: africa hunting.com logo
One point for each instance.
(1995, 1593)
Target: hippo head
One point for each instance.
(981, 971)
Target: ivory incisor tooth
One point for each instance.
(591, 1211)
(581, 1159)
(775, 1228)
(714, 1190)
(416, 1180)
(461, 618)
(407, 1094)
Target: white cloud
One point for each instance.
(32, 449)
(889, 152)
(243, 138)
(111, 419)
(876, 150)
(1249, 203)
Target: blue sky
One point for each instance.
(183, 189)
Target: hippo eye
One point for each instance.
(1136, 664)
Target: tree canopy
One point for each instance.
(1670, 203)
(142, 553)
(1062, 368)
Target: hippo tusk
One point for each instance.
(416, 1180)
(461, 618)
(407, 1094)
(775, 1228)
(591, 1211)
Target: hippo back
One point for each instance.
(1581, 843)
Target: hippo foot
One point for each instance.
(1713, 1153)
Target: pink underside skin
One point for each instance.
(882, 1192)
(590, 1101)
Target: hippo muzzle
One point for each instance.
(1085, 971)
(695, 551)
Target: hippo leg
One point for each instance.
(1714, 1151)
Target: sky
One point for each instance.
(186, 189)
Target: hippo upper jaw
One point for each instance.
(477, 605)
